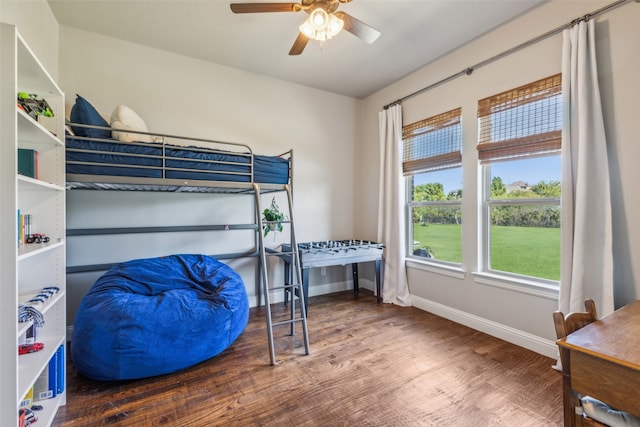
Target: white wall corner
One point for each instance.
(531, 342)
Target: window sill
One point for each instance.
(431, 267)
(525, 286)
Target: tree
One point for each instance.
(431, 191)
(525, 216)
(542, 189)
(455, 195)
(498, 189)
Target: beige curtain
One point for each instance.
(587, 257)
(391, 207)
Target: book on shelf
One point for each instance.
(61, 365)
(28, 399)
(50, 383)
(24, 227)
(45, 386)
(28, 162)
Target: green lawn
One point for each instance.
(443, 239)
(529, 251)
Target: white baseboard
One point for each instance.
(314, 290)
(531, 342)
(330, 288)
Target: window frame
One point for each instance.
(484, 261)
(428, 164)
(486, 274)
(410, 229)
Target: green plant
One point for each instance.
(272, 218)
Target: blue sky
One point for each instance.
(531, 171)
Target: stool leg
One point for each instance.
(305, 289)
(378, 282)
(287, 280)
(356, 286)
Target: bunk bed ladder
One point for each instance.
(295, 289)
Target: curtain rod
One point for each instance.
(469, 70)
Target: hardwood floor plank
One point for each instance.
(370, 365)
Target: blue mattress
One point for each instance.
(145, 160)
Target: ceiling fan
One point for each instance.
(324, 20)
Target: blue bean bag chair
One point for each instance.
(155, 316)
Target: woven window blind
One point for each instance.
(522, 122)
(432, 143)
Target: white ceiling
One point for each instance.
(414, 33)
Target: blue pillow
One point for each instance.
(85, 114)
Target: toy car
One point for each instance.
(30, 348)
(37, 238)
(34, 106)
(26, 417)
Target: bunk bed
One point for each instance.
(101, 157)
(124, 155)
(173, 163)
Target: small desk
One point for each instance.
(604, 362)
(334, 252)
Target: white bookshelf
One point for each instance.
(27, 269)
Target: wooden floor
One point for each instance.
(370, 365)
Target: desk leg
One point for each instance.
(378, 282)
(568, 396)
(356, 286)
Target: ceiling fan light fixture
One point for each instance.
(307, 29)
(319, 18)
(324, 22)
(334, 26)
(321, 25)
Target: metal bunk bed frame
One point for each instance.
(164, 184)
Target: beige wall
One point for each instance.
(38, 26)
(183, 96)
(520, 317)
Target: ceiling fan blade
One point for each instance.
(358, 28)
(299, 44)
(264, 7)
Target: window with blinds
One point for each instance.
(521, 122)
(519, 147)
(433, 143)
(432, 163)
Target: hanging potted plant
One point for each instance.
(272, 218)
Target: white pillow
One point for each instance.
(125, 118)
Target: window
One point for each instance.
(432, 163)
(519, 148)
